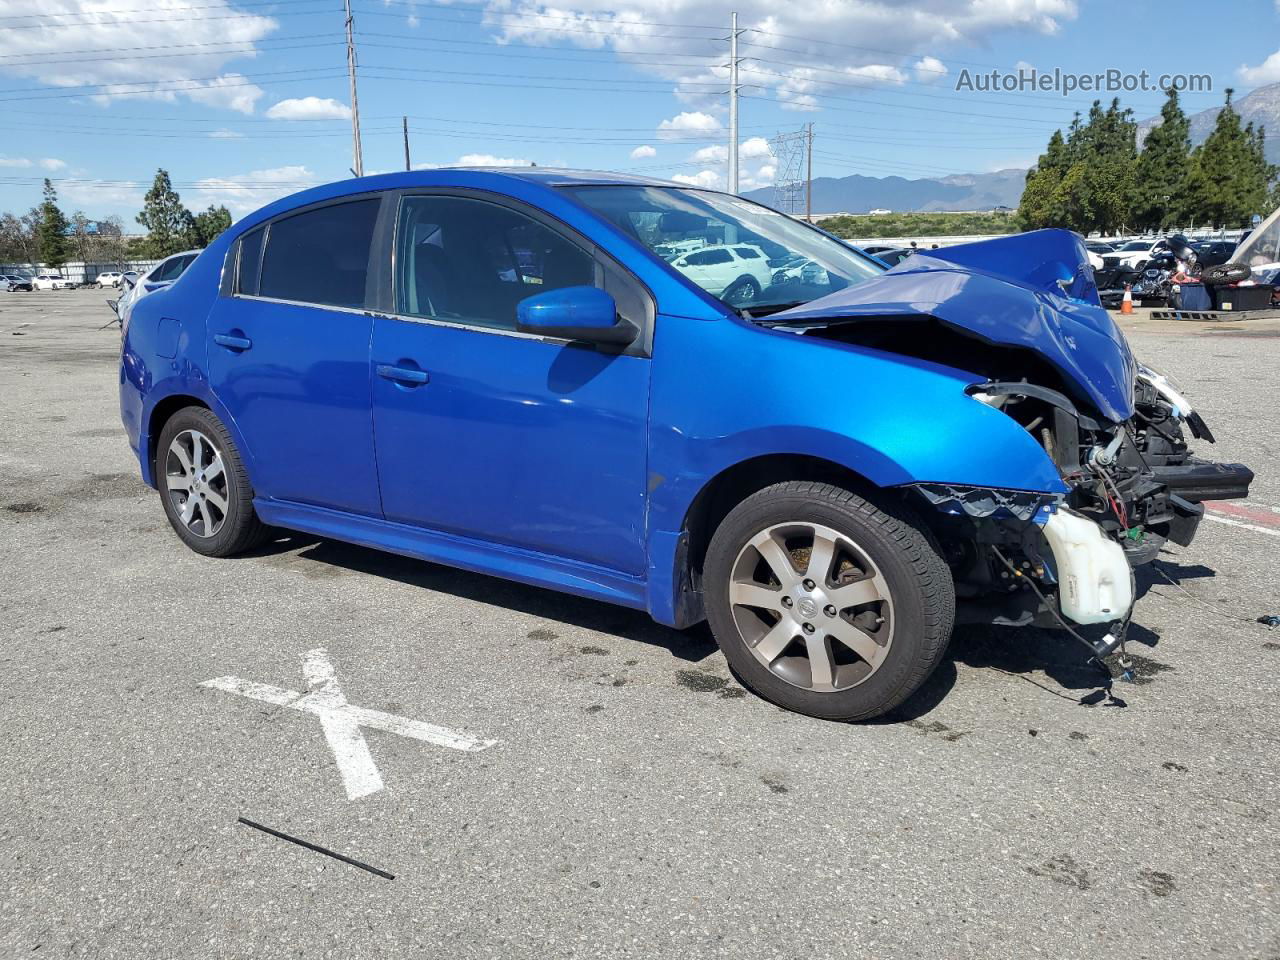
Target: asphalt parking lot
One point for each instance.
(637, 802)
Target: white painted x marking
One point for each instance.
(341, 721)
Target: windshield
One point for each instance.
(745, 254)
(1136, 245)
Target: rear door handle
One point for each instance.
(232, 343)
(402, 374)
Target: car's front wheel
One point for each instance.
(204, 486)
(742, 291)
(825, 602)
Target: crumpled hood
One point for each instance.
(1034, 290)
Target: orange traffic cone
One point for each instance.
(1126, 305)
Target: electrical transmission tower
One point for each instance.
(791, 153)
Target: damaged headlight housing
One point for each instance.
(982, 502)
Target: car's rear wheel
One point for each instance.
(825, 602)
(204, 487)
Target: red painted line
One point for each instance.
(1262, 516)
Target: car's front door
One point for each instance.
(289, 355)
(496, 435)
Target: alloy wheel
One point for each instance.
(812, 606)
(196, 483)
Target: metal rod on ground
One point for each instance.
(357, 158)
(406, 143)
(733, 104)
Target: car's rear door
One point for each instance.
(496, 435)
(289, 354)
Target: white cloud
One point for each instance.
(14, 162)
(703, 178)
(205, 43)
(225, 134)
(231, 91)
(476, 160)
(1268, 71)
(679, 28)
(246, 192)
(684, 124)
(643, 152)
(53, 163)
(756, 165)
(309, 108)
(489, 160)
(716, 153)
(930, 70)
(99, 195)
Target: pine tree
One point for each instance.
(169, 224)
(52, 232)
(1162, 168)
(1039, 204)
(1086, 181)
(207, 226)
(1228, 178)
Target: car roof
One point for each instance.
(473, 177)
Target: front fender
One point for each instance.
(725, 392)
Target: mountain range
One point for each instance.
(963, 191)
(1260, 107)
(1003, 188)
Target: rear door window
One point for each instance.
(320, 256)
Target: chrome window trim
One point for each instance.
(361, 311)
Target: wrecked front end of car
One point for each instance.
(1021, 317)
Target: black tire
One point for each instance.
(745, 288)
(1225, 273)
(239, 529)
(919, 581)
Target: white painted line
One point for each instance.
(1238, 523)
(341, 721)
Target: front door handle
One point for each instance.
(402, 374)
(232, 343)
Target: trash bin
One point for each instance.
(1195, 297)
(1255, 297)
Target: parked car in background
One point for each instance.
(110, 278)
(12, 283)
(1132, 254)
(52, 281)
(495, 370)
(1211, 253)
(157, 278)
(738, 273)
(1098, 247)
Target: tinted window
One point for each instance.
(473, 261)
(320, 256)
(746, 253)
(704, 258)
(250, 261)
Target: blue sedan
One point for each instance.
(675, 400)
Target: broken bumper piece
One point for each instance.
(982, 502)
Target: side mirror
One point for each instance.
(575, 313)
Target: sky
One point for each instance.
(243, 102)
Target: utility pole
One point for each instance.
(357, 158)
(808, 178)
(406, 143)
(733, 104)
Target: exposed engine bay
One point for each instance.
(1059, 560)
